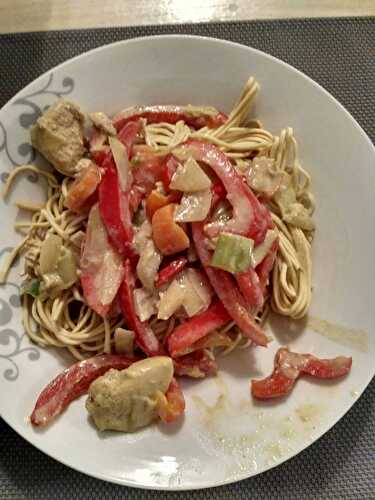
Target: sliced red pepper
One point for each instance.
(167, 114)
(218, 191)
(146, 167)
(225, 288)
(249, 215)
(213, 339)
(144, 335)
(169, 271)
(288, 367)
(249, 285)
(213, 121)
(170, 406)
(128, 134)
(101, 155)
(198, 364)
(197, 327)
(115, 211)
(72, 383)
(169, 167)
(98, 148)
(265, 267)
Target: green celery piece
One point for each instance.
(233, 253)
(31, 287)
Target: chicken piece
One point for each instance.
(127, 400)
(103, 122)
(58, 136)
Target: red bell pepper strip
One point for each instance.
(249, 285)
(249, 215)
(288, 366)
(128, 133)
(213, 339)
(101, 153)
(225, 288)
(115, 211)
(196, 328)
(144, 336)
(146, 167)
(198, 364)
(169, 271)
(72, 383)
(167, 114)
(170, 406)
(265, 267)
(169, 167)
(98, 148)
(218, 192)
(100, 156)
(211, 121)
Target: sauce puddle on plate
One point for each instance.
(350, 337)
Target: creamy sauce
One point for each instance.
(244, 437)
(357, 339)
(125, 400)
(309, 412)
(210, 412)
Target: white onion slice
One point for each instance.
(49, 253)
(190, 177)
(260, 251)
(194, 207)
(144, 303)
(120, 155)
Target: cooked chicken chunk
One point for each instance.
(125, 400)
(58, 136)
(102, 122)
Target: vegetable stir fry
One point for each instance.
(167, 233)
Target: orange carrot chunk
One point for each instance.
(168, 236)
(83, 187)
(154, 201)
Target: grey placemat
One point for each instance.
(340, 55)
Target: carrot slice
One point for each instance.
(154, 201)
(82, 188)
(168, 236)
(170, 406)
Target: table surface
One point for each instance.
(41, 15)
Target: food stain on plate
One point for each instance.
(310, 412)
(350, 337)
(255, 438)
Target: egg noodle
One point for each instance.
(65, 320)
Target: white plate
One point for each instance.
(236, 438)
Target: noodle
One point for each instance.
(66, 321)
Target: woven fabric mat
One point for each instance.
(340, 55)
